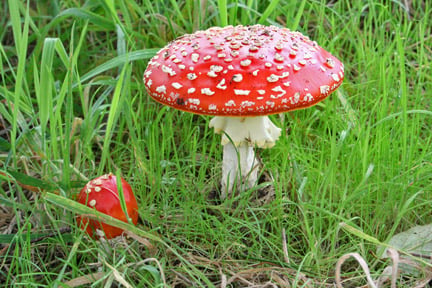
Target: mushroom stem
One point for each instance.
(240, 136)
(239, 166)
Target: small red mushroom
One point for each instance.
(101, 193)
(240, 75)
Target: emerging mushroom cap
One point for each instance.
(101, 193)
(242, 71)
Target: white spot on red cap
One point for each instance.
(330, 62)
(234, 53)
(218, 47)
(230, 103)
(284, 74)
(168, 70)
(195, 57)
(307, 55)
(176, 85)
(280, 90)
(207, 91)
(308, 97)
(191, 90)
(212, 74)
(278, 57)
(295, 99)
(194, 101)
(247, 104)
(237, 77)
(335, 77)
(324, 89)
(272, 78)
(270, 103)
(253, 49)
(216, 68)
(161, 89)
(241, 92)
(148, 73)
(221, 85)
(192, 76)
(245, 62)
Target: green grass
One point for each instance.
(73, 106)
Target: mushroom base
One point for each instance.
(241, 135)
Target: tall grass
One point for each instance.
(73, 106)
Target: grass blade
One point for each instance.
(270, 9)
(114, 111)
(118, 61)
(85, 15)
(20, 38)
(299, 14)
(223, 12)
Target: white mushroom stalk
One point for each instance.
(240, 135)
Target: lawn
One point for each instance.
(345, 176)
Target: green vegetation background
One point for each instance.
(73, 107)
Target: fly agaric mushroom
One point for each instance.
(101, 193)
(241, 75)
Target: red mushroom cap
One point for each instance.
(242, 71)
(101, 193)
